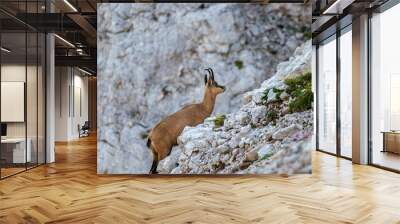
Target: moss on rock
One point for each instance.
(300, 92)
(219, 120)
(239, 64)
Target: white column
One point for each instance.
(360, 90)
(50, 99)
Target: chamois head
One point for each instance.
(211, 84)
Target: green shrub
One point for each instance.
(272, 115)
(239, 64)
(300, 91)
(264, 97)
(298, 82)
(219, 120)
(278, 93)
(302, 101)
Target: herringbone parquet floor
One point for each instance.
(69, 191)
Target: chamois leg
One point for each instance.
(153, 169)
(165, 152)
(160, 151)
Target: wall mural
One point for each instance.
(204, 88)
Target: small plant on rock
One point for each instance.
(272, 115)
(300, 92)
(239, 64)
(264, 97)
(278, 93)
(267, 156)
(219, 120)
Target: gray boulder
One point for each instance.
(282, 133)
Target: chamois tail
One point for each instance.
(148, 142)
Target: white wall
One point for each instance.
(70, 83)
(33, 126)
(61, 103)
(12, 73)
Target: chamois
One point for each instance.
(164, 135)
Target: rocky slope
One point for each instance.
(270, 133)
(151, 60)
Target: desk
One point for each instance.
(391, 141)
(15, 148)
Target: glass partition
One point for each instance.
(14, 153)
(346, 93)
(22, 101)
(327, 95)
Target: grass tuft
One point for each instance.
(267, 156)
(272, 115)
(239, 64)
(219, 120)
(300, 92)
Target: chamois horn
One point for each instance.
(211, 72)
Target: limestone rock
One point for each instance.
(170, 162)
(246, 144)
(242, 117)
(251, 156)
(285, 132)
(265, 150)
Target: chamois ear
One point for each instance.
(205, 79)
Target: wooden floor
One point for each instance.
(5, 172)
(69, 191)
(387, 159)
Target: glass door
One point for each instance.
(327, 95)
(385, 89)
